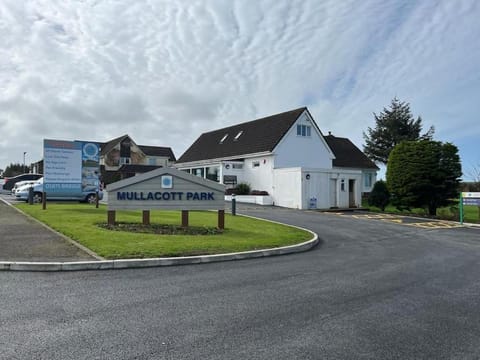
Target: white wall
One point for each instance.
(287, 185)
(261, 177)
(303, 151)
(317, 186)
(292, 188)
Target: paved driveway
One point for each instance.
(371, 290)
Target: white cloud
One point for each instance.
(166, 71)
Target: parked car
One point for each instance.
(86, 196)
(19, 184)
(10, 182)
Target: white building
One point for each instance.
(287, 156)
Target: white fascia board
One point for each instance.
(220, 160)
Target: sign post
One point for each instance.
(461, 208)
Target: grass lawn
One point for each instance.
(471, 213)
(81, 223)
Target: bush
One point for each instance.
(380, 195)
(242, 189)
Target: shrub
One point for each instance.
(242, 189)
(379, 196)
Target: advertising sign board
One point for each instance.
(70, 167)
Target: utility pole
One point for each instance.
(24, 153)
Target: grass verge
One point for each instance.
(471, 214)
(81, 222)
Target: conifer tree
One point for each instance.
(393, 126)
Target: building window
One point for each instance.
(186, 170)
(152, 161)
(213, 173)
(124, 160)
(223, 138)
(237, 166)
(238, 135)
(304, 130)
(198, 172)
(255, 164)
(342, 185)
(368, 180)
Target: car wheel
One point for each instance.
(37, 198)
(91, 199)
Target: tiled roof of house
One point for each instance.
(109, 145)
(251, 137)
(158, 151)
(347, 155)
(147, 149)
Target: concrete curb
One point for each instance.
(157, 262)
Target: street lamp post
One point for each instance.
(24, 161)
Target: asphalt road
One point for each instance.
(372, 290)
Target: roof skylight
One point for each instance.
(238, 135)
(223, 138)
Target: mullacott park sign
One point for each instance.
(166, 189)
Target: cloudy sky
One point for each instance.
(166, 71)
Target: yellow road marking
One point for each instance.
(399, 220)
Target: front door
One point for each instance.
(351, 193)
(333, 193)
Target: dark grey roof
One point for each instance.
(158, 151)
(109, 145)
(347, 155)
(147, 149)
(257, 136)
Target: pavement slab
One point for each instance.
(24, 239)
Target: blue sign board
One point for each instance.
(70, 167)
(471, 201)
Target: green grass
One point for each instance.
(80, 222)
(471, 213)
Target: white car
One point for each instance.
(20, 184)
(86, 196)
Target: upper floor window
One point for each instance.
(304, 130)
(152, 161)
(238, 135)
(124, 160)
(223, 138)
(256, 164)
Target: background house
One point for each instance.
(286, 155)
(122, 158)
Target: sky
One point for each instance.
(166, 71)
